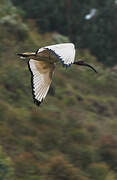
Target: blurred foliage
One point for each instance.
(9, 17)
(12, 24)
(98, 33)
(59, 168)
(98, 171)
(6, 167)
(7, 8)
(73, 134)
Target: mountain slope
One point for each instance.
(72, 135)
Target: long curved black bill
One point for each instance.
(90, 67)
(82, 63)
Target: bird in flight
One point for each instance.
(42, 64)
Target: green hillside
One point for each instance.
(73, 134)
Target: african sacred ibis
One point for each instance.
(42, 65)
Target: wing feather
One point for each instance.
(64, 52)
(41, 79)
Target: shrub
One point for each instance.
(98, 171)
(58, 38)
(61, 169)
(14, 26)
(108, 150)
(6, 167)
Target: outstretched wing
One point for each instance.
(64, 52)
(41, 79)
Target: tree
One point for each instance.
(98, 33)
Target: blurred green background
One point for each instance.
(73, 134)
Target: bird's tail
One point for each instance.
(27, 55)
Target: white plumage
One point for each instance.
(64, 52)
(41, 79)
(42, 65)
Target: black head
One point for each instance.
(82, 63)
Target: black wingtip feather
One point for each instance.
(35, 100)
